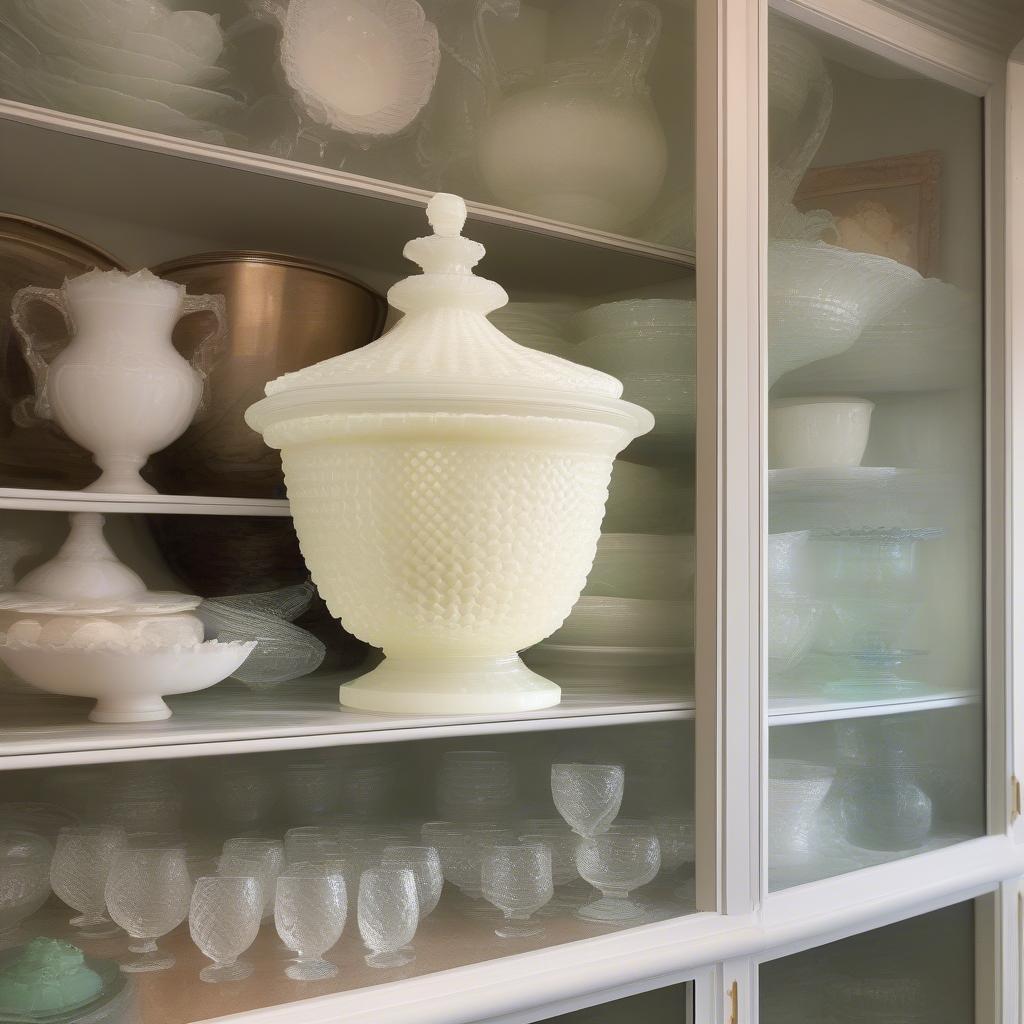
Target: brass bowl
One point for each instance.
(283, 314)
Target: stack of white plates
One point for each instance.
(642, 565)
(650, 345)
(627, 622)
(648, 499)
(134, 62)
(543, 326)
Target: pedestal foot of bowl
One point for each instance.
(464, 686)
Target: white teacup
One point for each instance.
(815, 433)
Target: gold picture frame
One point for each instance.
(889, 205)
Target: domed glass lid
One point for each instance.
(445, 348)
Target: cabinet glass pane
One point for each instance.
(578, 111)
(875, 614)
(468, 798)
(672, 1005)
(919, 971)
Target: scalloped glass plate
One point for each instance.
(366, 67)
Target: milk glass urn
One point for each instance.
(447, 486)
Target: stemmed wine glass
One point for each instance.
(224, 920)
(517, 880)
(81, 863)
(388, 915)
(588, 796)
(147, 894)
(617, 862)
(310, 908)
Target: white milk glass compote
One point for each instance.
(147, 894)
(617, 862)
(517, 880)
(81, 863)
(588, 796)
(388, 915)
(224, 920)
(310, 908)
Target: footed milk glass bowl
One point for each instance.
(447, 487)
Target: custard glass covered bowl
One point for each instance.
(447, 486)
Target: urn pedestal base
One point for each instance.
(459, 686)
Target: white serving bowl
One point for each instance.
(642, 565)
(127, 685)
(626, 622)
(818, 433)
(927, 343)
(821, 297)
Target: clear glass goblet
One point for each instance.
(24, 887)
(269, 852)
(425, 864)
(388, 915)
(517, 880)
(147, 894)
(617, 863)
(588, 796)
(310, 908)
(224, 920)
(79, 870)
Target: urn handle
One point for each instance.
(210, 347)
(35, 407)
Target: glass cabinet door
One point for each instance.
(919, 971)
(441, 95)
(875, 609)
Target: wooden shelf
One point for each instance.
(147, 198)
(797, 710)
(168, 504)
(40, 730)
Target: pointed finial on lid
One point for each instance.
(446, 214)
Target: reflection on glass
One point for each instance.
(915, 972)
(875, 459)
(580, 111)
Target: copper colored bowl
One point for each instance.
(283, 314)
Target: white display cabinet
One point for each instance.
(811, 665)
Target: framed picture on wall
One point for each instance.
(888, 206)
